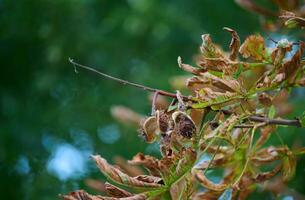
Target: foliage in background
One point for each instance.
(233, 109)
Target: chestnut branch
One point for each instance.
(253, 118)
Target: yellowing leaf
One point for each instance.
(209, 49)
(253, 47)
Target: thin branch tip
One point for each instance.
(74, 65)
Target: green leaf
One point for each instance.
(271, 112)
(226, 195)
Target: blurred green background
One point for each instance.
(52, 119)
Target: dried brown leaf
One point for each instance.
(291, 19)
(189, 68)
(206, 183)
(214, 64)
(129, 169)
(253, 47)
(119, 177)
(234, 45)
(293, 66)
(114, 191)
(149, 162)
(265, 99)
(264, 176)
(265, 134)
(81, 195)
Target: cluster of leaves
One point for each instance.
(235, 105)
(290, 10)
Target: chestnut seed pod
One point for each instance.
(184, 125)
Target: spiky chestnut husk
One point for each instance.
(184, 125)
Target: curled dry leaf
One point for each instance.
(234, 45)
(265, 134)
(149, 162)
(114, 191)
(189, 68)
(117, 176)
(206, 183)
(80, 195)
(292, 20)
(293, 66)
(265, 155)
(261, 177)
(149, 179)
(123, 164)
(278, 54)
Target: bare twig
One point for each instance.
(268, 121)
(124, 82)
(186, 98)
